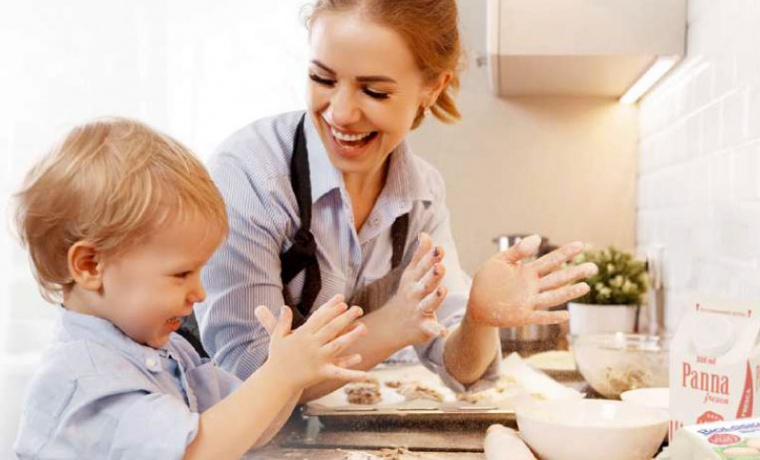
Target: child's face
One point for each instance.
(149, 288)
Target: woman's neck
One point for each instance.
(363, 190)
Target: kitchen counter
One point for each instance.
(303, 439)
(307, 438)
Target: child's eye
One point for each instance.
(375, 94)
(183, 275)
(322, 81)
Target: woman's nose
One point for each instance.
(344, 109)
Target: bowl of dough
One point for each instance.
(615, 363)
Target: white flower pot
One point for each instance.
(600, 319)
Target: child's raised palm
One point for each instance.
(311, 353)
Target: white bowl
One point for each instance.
(651, 397)
(591, 429)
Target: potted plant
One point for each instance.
(617, 292)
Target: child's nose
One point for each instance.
(198, 294)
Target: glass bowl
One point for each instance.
(614, 363)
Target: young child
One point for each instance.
(118, 221)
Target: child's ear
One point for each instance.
(85, 265)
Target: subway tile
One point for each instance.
(647, 152)
(696, 9)
(703, 91)
(745, 174)
(699, 181)
(711, 127)
(748, 58)
(720, 177)
(737, 230)
(734, 119)
(725, 71)
(753, 115)
(694, 134)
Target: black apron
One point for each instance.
(302, 255)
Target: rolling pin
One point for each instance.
(504, 443)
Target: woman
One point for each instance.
(333, 201)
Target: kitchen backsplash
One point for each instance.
(699, 159)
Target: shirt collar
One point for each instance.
(78, 326)
(404, 179)
(323, 175)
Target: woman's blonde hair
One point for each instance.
(110, 183)
(430, 29)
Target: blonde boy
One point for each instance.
(118, 221)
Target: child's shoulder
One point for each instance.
(79, 369)
(80, 360)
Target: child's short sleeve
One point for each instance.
(77, 410)
(153, 426)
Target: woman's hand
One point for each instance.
(311, 353)
(420, 293)
(508, 292)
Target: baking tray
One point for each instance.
(395, 411)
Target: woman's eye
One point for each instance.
(375, 94)
(182, 275)
(322, 81)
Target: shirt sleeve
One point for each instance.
(245, 271)
(458, 284)
(152, 426)
(103, 417)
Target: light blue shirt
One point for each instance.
(252, 170)
(100, 395)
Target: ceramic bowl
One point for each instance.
(591, 429)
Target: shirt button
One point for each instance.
(376, 221)
(151, 362)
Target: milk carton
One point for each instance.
(714, 358)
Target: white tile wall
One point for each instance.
(699, 167)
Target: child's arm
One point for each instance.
(278, 422)
(297, 360)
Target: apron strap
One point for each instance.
(302, 255)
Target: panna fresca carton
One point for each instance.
(714, 359)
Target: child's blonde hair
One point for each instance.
(110, 182)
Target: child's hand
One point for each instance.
(420, 294)
(311, 353)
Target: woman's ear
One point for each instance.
(436, 88)
(85, 265)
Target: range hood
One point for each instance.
(597, 48)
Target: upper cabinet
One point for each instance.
(579, 47)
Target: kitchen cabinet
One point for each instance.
(579, 47)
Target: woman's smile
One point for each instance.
(349, 144)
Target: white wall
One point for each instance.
(699, 179)
(194, 69)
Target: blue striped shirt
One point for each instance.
(252, 170)
(100, 395)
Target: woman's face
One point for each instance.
(365, 90)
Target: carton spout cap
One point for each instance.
(712, 335)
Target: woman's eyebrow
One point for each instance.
(361, 79)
